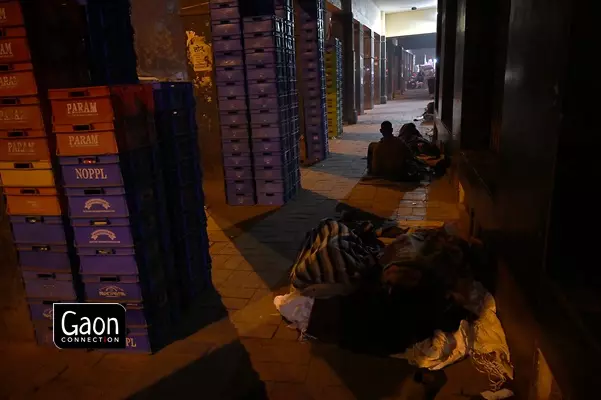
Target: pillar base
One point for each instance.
(352, 118)
(383, 100)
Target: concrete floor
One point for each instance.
(234, 344)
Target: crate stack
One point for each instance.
(271, 78)
(28, 179)
(310, 49)
(81, 43)
(186, 223)
(334, 87)
(232, 96)
(106, 147)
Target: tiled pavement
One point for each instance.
(234, 345)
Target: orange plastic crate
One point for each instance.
(10, 14)
(13, 45)
(21, 113)
(85, 140)
(24, 149)
(81, 106)
(17, 80)
(29, 173)
(32, 201)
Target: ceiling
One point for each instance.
(391, 6)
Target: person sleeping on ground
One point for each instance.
(389, 157)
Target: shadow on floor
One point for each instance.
(224, 374)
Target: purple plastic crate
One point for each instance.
(266, 131)
(313, 102)
(233, 118)
(265, 102)
(134, 315)
(237, 160)
(270, 159)
(271, 186)
(262, 23)
(236, 146)
(264, 117)
(262, 57)
(44, 258)
(97, 202)
(231, 90)
(91, 171)
(229, 74)
(112, 288)
(315, 112)
(115, 261)
(270, 173)
(242, 200)
(263, 72)
(232, 104)
(137, 341)
(260, 88)
(317, 120)
(272, 199)
(311, 74)
(103, 232)
(237, 173)
(225, 44)
(262, 41)
(224, 11)
(243, 187)
(239, 132)
(39, 285)
(229, 59)
(270, 145)
(226, 27)
(42, 310)
(38, 230)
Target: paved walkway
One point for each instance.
(235, 345)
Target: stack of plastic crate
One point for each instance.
(179, 156)
(334, 87)
(232, 96)
(310, 53)
(28, 179)
(270, 79)
(81, 43)
(106, 143)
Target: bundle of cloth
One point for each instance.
(414, 299)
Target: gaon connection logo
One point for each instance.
(89, 325)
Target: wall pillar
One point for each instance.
(345, 21)
(383, 71)
(368, 68)
(377, 70)
(359, 82)
(447, 69)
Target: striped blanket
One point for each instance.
(331, 258)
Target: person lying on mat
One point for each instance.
(387, 158)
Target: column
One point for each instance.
(377, 70)
(348, 50)
(368, 68)
(359, 51)
(383, 71)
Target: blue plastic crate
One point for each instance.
(169, 96)
(175, 123)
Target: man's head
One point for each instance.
(386, 129)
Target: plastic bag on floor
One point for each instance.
(296, 309)
(484, 341)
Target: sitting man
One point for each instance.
(418, 145)
(387, 158)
